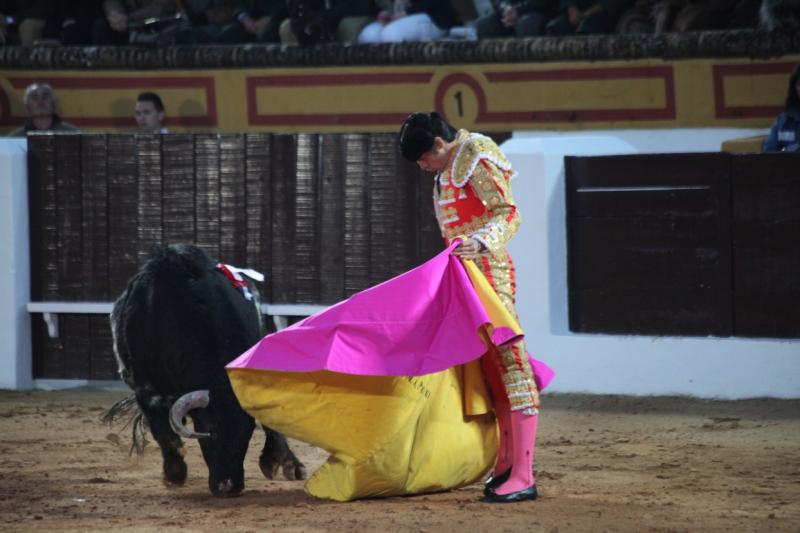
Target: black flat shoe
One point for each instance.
(492, 482)
(519, 496)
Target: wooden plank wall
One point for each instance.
(321, 215)
(766, 245)
(684, 244)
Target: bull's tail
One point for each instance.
(127, 409)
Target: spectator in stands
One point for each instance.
(27, 17)
(256, 21)
(123, 17)
(8, 14)
(72, 23)
(413, 20)
(149, 113)
(48, 21)
(202, 21)
(785, 133)
(342, 21)
(639, 18)
(40, 103)
(775, 14)
(521, 19)
(587, 16)
(650, 16)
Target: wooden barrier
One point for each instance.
(322, 216)
(692, 244)
(684, 244)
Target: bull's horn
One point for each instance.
(191, 400)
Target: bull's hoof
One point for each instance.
(225, 488)
(291, 467)
(174, 473)
(294, 470)
(270, 470)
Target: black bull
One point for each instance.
(175, 327)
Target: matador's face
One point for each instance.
(435, 159)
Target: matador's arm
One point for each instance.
(492, 186)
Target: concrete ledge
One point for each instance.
(99, 308)
(51, 310)
(707, 44)
(89, 384)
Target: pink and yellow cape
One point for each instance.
(389, 382)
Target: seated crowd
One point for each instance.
(42, 115)
(306, 22)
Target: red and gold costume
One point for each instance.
(472, 197)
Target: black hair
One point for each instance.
(792, 100)
(419, 132)
(152, 97)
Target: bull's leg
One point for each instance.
(156, 410)
(277, 454)
(231, 429)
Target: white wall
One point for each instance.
(658, 141)
(612, 364)
(15, 335)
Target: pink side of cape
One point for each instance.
(420, 322)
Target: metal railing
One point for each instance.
(51, 310)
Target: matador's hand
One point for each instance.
(468, 249)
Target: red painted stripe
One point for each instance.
(749, 69)
(752, 111)
(5, 109)
(311, 80)
(719, 92)
(720, 72)
(581, 74)
(326, 119)
(211, 101)
(255, 118)
(123, 82)
(252, 103)
(578, 115)
(129, 122)
(669, 88)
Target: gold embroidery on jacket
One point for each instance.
(473, 148)
(480, 164)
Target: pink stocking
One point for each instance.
(506, 445)
(524, 438)
(502, 410)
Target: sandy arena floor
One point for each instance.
(603, 464)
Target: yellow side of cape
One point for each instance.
(387, 436)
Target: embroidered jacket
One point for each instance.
(473, 194)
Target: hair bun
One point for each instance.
(416, 136)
